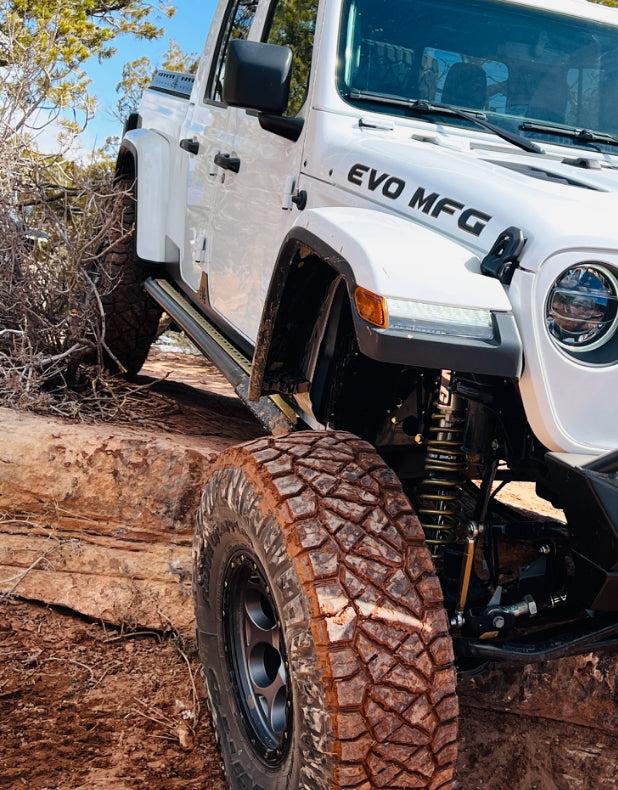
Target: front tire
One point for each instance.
(320, 623)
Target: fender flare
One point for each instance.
(364, 238)
(354, 243)
(145, 155)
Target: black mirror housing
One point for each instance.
(257, 76)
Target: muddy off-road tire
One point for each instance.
(320, 624)
(131, 317)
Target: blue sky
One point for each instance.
(188, 27)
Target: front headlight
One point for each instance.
(581, 312)
(439, 319)
(426, 318)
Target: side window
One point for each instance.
(293, 24)
(237, 24)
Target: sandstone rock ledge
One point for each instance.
(99, 518)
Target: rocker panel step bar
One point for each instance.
(272, 412)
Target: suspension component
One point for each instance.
(445, 465)
(497, 617)
(473, 531)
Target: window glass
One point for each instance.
(240, 15)
(437, 64)
(293, 25)
(518, 64)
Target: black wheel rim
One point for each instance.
(256, 657)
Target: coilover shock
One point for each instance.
(445, 464)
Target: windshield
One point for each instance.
(513, 63)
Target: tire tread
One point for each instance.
(378, 626)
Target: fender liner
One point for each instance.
(145, 155)
(293, 275)
(354, 244)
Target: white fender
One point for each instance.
(394, 257)
(151, 152)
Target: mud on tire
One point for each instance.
(320, 624)
(131, 317)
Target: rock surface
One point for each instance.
(99, 518)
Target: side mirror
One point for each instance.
(257, 76)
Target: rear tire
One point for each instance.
(320, 624)
(131, 316)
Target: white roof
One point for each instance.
(577, 8)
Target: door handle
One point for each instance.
(227, 162)
(192, 146)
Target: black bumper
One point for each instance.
(501, 356)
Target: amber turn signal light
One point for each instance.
(371, 307)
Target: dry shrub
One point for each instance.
(56, 218)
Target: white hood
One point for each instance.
(473, 193)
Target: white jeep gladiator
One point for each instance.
(393, 225)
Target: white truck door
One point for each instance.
(253, 214)
(200, 137)
(205, 132)
(258, 172)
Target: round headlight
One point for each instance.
(582, 308)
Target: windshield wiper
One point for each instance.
(581, 135)
(423, 107)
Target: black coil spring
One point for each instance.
(445, 465)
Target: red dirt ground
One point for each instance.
(87, 707)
